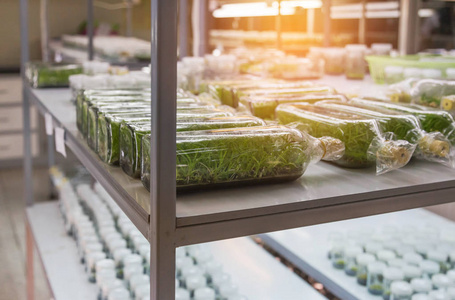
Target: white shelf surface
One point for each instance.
(259, 275)
(307, 247)
(324, 193)
(58, 253)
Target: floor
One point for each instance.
(12, 236)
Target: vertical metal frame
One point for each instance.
(163, 141)
(183, 31)
(25, 55)
(408, 26)
(278, 27)
(90, 29)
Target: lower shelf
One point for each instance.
(307, 247)
(58, 253)
(257, 274)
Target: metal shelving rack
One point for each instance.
(325, 193)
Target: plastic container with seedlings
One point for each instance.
(131, 136)
(230, 94)
(334, 60)
(42, 74)
(430, 146)
(365, 143)
(430, 119)
(119, 108)
(109, 128)
(264, 106)
(247, 155)
(429, 92)
(401, 91)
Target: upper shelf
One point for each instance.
(324, 193)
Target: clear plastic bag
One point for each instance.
(264, 106)
(131, 136)
(41, 74)
(431, 120)
(361, 136)
(239, 156)
(401, 91)
(430, 146)
(429, 92)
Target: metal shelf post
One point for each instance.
(163, 159)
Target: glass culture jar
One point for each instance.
(362, 261)
(429, 268)
(194, 282)
(375, 278)
(390, 275)
(204, 294)
(386, 255)
(452, 259)
(337, 256)
(441, 258)
(411, 272)
(400, 290)
(119, 294)
(451, 275)
(355, 61)
(351, 265)
(334, 60)
(421, 285)
(373, 247)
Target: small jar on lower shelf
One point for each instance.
(362, 261)
(375, 279)
(400, 290)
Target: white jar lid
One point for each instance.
(183, 262)
(412, 271)
(365, 258)
(401, 288)
(373, 247)
(93, 247)
(105, 275)
(142, 291)
(420, 297)
(412, 72)
(441, 281)
(180, 252)
(438, 295)
(144, 251)
(432, 73)
(421, 285)
(119, 294)
(193, 270)
(93, 257)
(393, 274)
(424, 248)
(138, 279)
(412, 258)
(203, 256)
(396, 262)
(436, 255)
(119, 243)
(105, 264)
(353, 251)
(204, 294)
(403, 249)
(376, 267)
(195, 281)
(182, 294)
(132, 259)
(111, 285)
(130, 271)
(386, 255)
(429, 266)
